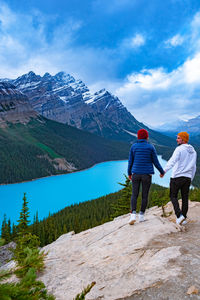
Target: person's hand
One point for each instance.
(162, 175)
(130, 177)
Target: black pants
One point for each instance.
(182, 184)
(137, 179)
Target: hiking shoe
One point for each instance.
(141, 217)
(180, 220)
(132, 219)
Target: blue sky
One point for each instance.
(145, 52)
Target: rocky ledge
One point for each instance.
(155, 259)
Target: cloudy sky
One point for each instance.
(145, 52)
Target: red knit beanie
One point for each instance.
(142, 134)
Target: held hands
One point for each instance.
(162, 175)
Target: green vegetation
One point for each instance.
(51, 153)
(29, 262)
(27, 151)
(85, 291)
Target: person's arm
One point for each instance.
(194, 167)
(130, 161)
(156, 161)
(173, 160)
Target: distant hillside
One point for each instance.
(43, 147)
(192, 126)
(195, 140)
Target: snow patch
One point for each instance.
(131, 133)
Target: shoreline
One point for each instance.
(82, 170)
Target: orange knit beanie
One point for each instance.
(184, 135)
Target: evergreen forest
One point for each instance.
(30, 151)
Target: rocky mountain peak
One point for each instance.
(26, 80)
(46, 76)
(62, 76)
(102, 91)
(68, 100)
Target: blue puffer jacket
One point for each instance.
(142, 157)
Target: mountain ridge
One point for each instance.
(192, 126)
(64, 99)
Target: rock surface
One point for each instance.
(14, 106)
(5, 253)
(156, 259)
(126, 262)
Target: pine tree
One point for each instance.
(23, 219)
(6, 230)
(29, 261)
(3, 228)
(14, 231)
(123, 204)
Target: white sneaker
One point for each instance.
(180, 220)
(132, 219)
(141, 217)
(184, 222)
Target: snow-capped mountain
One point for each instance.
(192, 126)
(14, 106)
(64, 99)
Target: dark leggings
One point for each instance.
(183, 184)
(145, 179)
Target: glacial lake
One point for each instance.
(51, 194)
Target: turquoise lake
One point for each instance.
(51, 194)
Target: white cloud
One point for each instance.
(137, 41)
(132, 43)
(26, 44)
(175, 41)
(152, 95)
(156, 96)
(195, 24)
(150, 79)
(7, 17)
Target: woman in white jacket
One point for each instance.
(183, 164)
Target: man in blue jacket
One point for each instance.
(142, 157)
